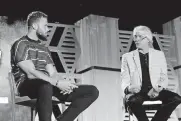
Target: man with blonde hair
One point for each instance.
(144, 77)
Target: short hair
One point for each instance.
(34, 17)
(144, 30)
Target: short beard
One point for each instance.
(41, 37)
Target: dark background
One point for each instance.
(152, 13)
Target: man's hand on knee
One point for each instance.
(153, 93)
(134, 89)
(66, 87)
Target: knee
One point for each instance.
(47, 85)
(46, 88)
(177, 98)
(94, 92)
(135, 100)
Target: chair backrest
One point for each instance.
(12, 84)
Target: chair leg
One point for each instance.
(56, 111)
(132, 117)
(129, 117)
(33, 113)
(13, 111)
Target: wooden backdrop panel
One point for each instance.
(108, 107)
(98, 42)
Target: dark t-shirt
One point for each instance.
(146, 82)
(28, 49)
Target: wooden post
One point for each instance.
(99, 65)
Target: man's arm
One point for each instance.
(23, 60)
(163, 82)
(50, 68)
(53, 74)
(28, 67)
(125, 76)
(31, 72)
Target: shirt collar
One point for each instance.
(146, 54)
(31, 40)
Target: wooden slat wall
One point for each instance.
(125, 41)
(67, 47)
(173, 28)
(165, 42)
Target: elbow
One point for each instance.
(31, 73)
(30, 76)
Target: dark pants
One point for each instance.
(170, 101)
(81, 98)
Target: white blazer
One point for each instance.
(131, 69)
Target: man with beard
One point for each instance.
(34, 74)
